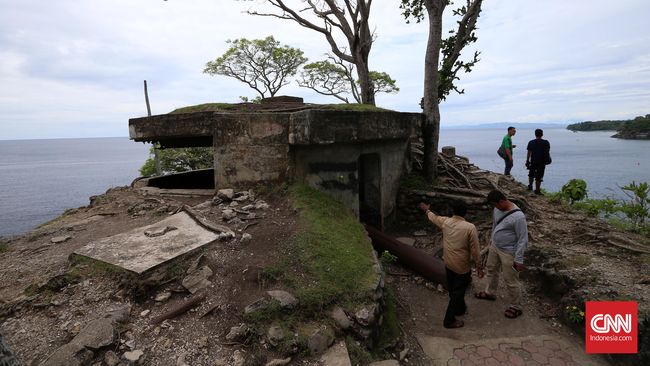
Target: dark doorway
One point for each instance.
(370, 190)
(195, 179)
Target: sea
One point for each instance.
(40, 179)
(604, 162)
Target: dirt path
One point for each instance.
(488, 337)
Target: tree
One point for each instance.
(334, 77)
(263, 64)
(439, 75)
(178, 160)
(333, 19)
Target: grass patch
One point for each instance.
(390, 331)
(644, 258)
(87, 267)
(333, 251)
(4, 247)
(206, 107)
(359, 355)
(355, 107)
(64, 214)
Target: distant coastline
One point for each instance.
(505, 125)
(634, 129)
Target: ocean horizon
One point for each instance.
(41, 178)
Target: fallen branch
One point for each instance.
(180, 309)
(249, 225)
(205, 223)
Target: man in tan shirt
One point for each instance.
(460, 245)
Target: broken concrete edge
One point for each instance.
(150, 272)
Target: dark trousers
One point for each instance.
(508, 166)
(457, 285)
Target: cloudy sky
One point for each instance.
(75, 68)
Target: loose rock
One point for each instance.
(340, 318)
(163, 296)
(275, 335)
(111, 359)
(60, 239)
(134, 356)
(198, 280)
(286, 300)
(226, 194)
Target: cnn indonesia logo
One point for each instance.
(611, 327)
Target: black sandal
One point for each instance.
(485, 296)
(455, 324)
(512, 312)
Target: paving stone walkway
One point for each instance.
(519, 351)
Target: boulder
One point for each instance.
(226, 194)
(228, 214)
(320, 340)
(340, 318)
(197, 280)
(337, 355)
(259, 304)
(275, 334)
(286, 300)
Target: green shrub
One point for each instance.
(575, 190)
(178, 160)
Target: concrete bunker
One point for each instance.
(358, 157)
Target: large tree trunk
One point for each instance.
(366, 88)
(361, 46)
(431, 105)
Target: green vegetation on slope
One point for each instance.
(333, 251)
(206, 107)
(226, 107)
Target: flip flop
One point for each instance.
(455, 324)
(512, 312)
(485, 296)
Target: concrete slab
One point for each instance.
(137, 252)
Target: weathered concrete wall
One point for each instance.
(322, 127)
(250, 148)
(334, 169)
(174, 130)
(322, 146)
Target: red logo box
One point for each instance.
(611, 327)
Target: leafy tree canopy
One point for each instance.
(264, 64)
(178, 160)
(334, 77)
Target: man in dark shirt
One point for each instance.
(536, 160)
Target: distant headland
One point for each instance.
(634, 129)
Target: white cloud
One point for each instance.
(75, 68)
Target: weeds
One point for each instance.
(574, 314)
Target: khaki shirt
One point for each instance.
(459, 242)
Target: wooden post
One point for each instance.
(156, 158)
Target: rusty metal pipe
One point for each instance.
(428, 266)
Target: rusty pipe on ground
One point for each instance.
(428, 266)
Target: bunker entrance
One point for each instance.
(370, 189)
(195, 179)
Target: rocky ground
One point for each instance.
(50, 305)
